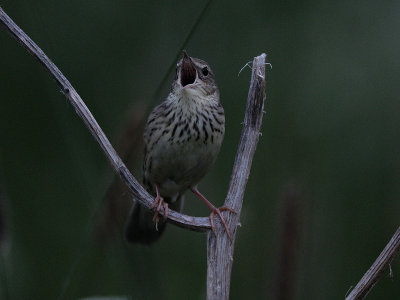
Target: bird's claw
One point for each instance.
(218, 212)
(157, 204)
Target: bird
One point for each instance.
(182, 138)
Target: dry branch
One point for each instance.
(371, 277)
(219, 247)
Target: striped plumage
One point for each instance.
(182, 139)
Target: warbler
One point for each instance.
(182, 138)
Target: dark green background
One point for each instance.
(331, 125)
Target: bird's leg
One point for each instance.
(214, 211)
(158, 202)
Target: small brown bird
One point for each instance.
(182, 139)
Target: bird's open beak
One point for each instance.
(188, 70)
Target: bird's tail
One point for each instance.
(140, 227)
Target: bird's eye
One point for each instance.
(204, 71)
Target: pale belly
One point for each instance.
(177, 167)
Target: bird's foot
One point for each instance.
(157, 204)
(217, 211)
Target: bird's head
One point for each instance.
(194, 77)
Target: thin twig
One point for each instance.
(137, 191)
(219, 247)
(371, 277)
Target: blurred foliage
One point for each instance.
(332, 125)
